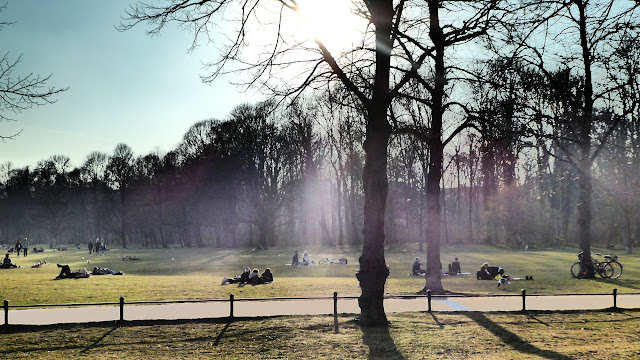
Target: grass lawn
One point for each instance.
(173, 274)
(573, 335)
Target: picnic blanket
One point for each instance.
(445, 274)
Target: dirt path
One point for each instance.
(219, 309)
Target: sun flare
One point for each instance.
(333, 22)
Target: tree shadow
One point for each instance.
(511, 339)
(110, 329)
(380, 343)
(221, 334)
(95, 343)
(532, 317)
(436, 320)
(628, 283)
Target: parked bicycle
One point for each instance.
(610, 268)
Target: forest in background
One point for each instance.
(287, 176)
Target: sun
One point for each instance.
(333, 22)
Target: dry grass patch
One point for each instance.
(572, 335)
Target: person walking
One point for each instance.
(90, 246)
(18, 248)
(25, 247)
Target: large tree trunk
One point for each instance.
(584, 209)
(584, 139)
(373, 269)
(434, 266)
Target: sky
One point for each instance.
(124, 87)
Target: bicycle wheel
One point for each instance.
(617, 269)
(578, 270)
(605, 270)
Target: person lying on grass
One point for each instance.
(238, 279)
(65, 273)
(105, 271)
(489, 272)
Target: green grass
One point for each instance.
(174, 274)
(573, 335)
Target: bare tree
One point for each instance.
(21, 91)
(120, 172)
(390, 55)
(593, 25)
(374, 95)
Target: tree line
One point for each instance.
(293, 177)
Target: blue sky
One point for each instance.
(123, 87)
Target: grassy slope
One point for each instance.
(171, 274)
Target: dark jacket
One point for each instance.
(266, 276)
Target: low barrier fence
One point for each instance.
(232, 300)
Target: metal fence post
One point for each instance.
(335, 311)
(615, 298)
(524, 300)
(231, 296)
(6, 312)
(429, 299)
(121, 308)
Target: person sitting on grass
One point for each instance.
(306, 259)
(254, 277)
(454, 267)
(295, 261)
(417, 268)
(238, 279)
(266, 276)
(7, 264)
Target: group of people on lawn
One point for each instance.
(66, 273)
(454, 267)
(21, 247)
(486, 272)
(250, 277)
(306, 259)
(98, 247)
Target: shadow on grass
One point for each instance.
(380, 343)
(112, 329)
(532, 317)
(221, 334)
(628, 283)
(511, 339)
(435, 319)
(95, 343)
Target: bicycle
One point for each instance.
(608, 269)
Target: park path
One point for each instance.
(243, 308)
